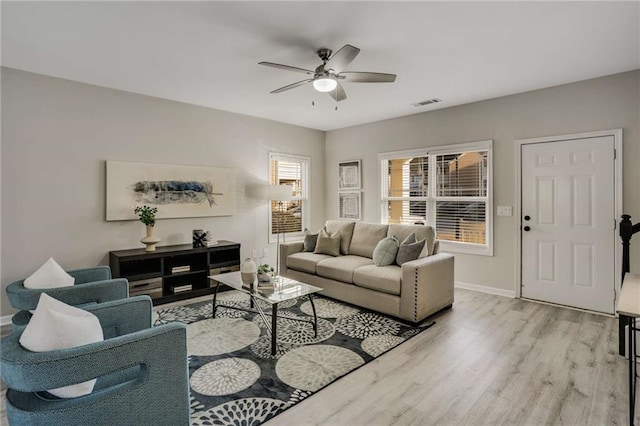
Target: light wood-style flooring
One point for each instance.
(490, 360)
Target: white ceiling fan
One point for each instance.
(327, 77)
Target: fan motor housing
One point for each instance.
(324, 53)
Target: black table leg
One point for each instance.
(274, 334)
(632, 368)
(215, 296)
(315, 317)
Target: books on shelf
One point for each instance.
(210, 243)
(178, 269)
(181, 288)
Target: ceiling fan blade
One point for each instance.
(342, 58)
(368, 77)
(286, 67)
(292, 86)
(338, 94)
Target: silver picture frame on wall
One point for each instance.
(350, 205)
(349, 175)
(176, 190)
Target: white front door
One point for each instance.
(568, 220)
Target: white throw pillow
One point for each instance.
(49, 275)
(56, 325)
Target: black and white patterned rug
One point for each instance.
(235, 380)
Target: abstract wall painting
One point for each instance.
(176, 190)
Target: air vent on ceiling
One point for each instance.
(427, 102)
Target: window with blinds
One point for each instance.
(447, 188)
(289, 217)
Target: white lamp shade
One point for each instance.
(280, 192)
(324, 84)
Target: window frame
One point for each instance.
(303, 198)
(432, 198)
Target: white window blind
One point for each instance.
(447, 188)
(289, 217)
(461, 197)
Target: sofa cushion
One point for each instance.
(409, 249)
(365, 238)
(386, 279)
(422, 232)
(305, 262)
(310, 241)
(385, 252)
(346, 232)
(328, 244)
(341, 268)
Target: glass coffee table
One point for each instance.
(280, 289)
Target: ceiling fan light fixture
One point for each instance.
(324, 84)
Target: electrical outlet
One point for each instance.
(254, 254)
(505, 211)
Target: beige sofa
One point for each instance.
(412, 292)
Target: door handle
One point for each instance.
(526, 228)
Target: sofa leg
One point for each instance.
(430, 316)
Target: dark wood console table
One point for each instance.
(174, 272)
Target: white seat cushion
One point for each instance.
(386, 279)
(341, 268)
(305, 261)
(56, 325)
(49, 275)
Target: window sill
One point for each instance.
(465, 248)
(298, 236)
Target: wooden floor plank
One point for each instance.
(490, 360)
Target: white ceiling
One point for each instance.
(207, 53)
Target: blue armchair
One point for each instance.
(142, 373)
(92, 285)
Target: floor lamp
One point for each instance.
(280, 194)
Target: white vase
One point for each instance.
(150, 240)
(248, 271)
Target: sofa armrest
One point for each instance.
(285, 250)
(427, 286)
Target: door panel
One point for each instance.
(568, 252)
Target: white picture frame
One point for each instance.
(176, 190)
(350, 205)
(349, 175)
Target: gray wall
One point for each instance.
(599, 104)
(57, 135)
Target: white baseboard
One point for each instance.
(485, 289)
(5, 320)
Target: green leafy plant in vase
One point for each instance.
(265, 273)
(147, 215)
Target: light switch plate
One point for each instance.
(505, 211)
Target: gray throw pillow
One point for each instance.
(409, 249)
(385, 252)
(328, 244)
(310, 241)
